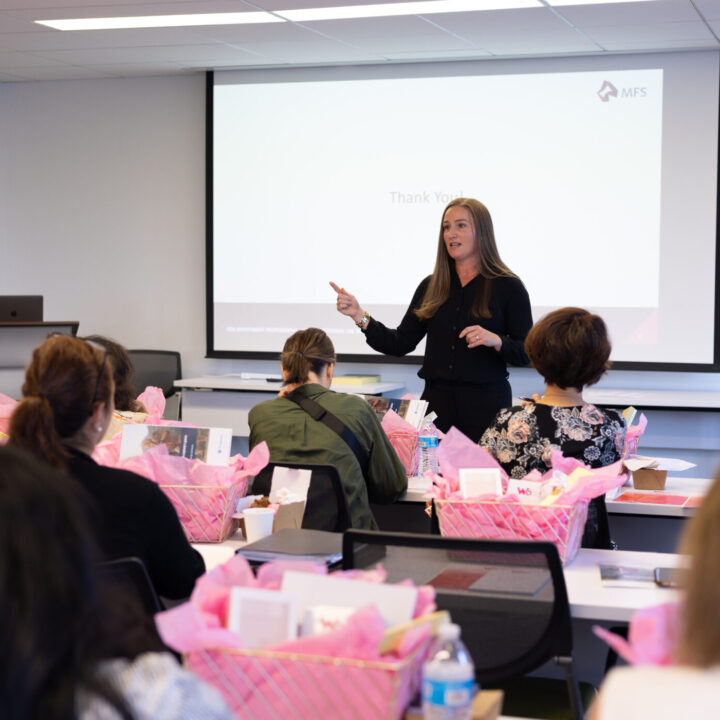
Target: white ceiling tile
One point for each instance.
(538, 27)
(10, 24)
(58, 40)
(658, 32)
(243, 34)
(62, 9)
(710, 9)
(514, 47)
(336, 55)
(631, 13)
(20, 59)
(167, 53)
(627, 45)
(28, 50)
(466, 54)
(140, 70)
(391, 34)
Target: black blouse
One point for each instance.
(447, 357)
(134, 517)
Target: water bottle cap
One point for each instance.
(449, 631)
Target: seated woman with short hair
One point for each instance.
(570, 348)
(66, 407)
(292, 435)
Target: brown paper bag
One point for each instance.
(289, 516)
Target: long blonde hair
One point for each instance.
(699, 628)
(488, 258)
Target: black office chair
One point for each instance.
(327, 505)
(130, 574)
(158, 368)
(509, 598)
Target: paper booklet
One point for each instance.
(211, 445)
(411, 410)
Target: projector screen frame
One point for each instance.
(374, 358)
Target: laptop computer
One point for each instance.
(21, 308)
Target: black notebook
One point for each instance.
(312, 545)
(296, 544)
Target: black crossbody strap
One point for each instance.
(319, 413)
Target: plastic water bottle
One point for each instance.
(448, 678)
(427, 450)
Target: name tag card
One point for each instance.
(530, 492)
(262, 618)
(479, 481)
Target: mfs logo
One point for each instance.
(608, 90)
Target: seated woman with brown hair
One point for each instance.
(66, 407)
(292, 435)
(570, 349)
(689, 687)
(127, 407)
(72, 646)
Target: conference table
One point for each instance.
(590, 597)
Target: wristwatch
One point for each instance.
(362, 323)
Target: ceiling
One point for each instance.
(33, 52)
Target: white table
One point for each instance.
(590, 598)
(226, 400)
(215, 554)
(615, 601)
(680, 485)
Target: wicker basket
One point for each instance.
(265, 685)
(560, 524)
(405, 445)
(205, 511)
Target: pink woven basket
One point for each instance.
(264, 685)
(560, 524)
(405, 445)
(205, 511)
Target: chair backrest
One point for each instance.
(509, 597)
(158, 368)
(131, 574)
(327, 505)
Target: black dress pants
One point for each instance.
(470, 408)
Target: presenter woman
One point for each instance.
(475, 313)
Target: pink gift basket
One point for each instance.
(339, 674)
(497, 520)
(204, 496)
(505, 517)
(266, 685)
(205, 511)
(405, 445)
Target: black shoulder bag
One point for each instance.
(317, 412)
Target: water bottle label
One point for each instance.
(428, 441)
(448, 693)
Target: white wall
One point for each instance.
(102, 206)
(102, 211)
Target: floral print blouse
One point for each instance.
(523, 437)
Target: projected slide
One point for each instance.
(581, 169)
